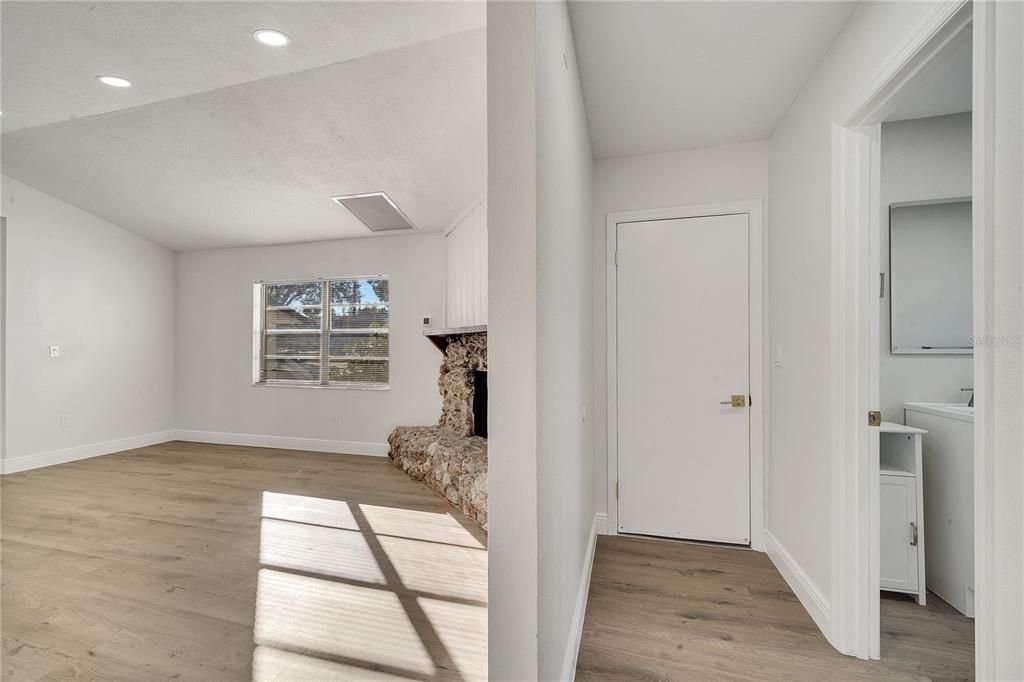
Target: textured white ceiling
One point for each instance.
(666, 76)
(257, 163)
(944, 89)
(249, 147)
(52, 51)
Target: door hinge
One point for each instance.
(874, 418)
(881, 285)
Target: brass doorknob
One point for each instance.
(737, 400)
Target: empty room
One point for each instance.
(513, 340)
(238, 239)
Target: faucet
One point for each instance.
(971, 402)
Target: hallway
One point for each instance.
(668, 610)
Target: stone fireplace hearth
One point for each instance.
(449, 457)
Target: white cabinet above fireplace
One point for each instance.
(466, 269)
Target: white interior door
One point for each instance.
(683, 348)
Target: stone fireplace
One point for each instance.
(451, 457)
(464, 356)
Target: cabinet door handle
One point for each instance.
(913, 534)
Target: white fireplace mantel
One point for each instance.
(439, 337)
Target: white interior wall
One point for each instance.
(999, 370)
(3, 337)
(466, 269)
(799, 216)
(106, 297)
(540, 260)
(921, 159)
(216, 399)
(565, 460)
(512, 608)
(700, 176)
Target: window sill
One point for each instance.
(329, 387)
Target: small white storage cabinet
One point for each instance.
(901, 510)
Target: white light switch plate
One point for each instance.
(777, 356)
(54, 351)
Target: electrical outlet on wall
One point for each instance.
(777, 356)
(65, 420)
(54, 351)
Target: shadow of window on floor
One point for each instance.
(352, 591)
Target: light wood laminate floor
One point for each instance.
(204, 562)
(662, 610)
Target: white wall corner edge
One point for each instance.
(340, 447)
(572, 651)
(45, 459)
(803, 587)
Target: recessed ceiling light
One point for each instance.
(114, 81)
(269, 36)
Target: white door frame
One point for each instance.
(857, 220)
(758, 350)
(3, 342)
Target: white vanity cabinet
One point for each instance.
(949, 499)
(901, 510)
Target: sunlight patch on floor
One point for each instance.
(352, 591)
(442, 570)
(418, 525)
(269, 663)
(462, 629)
(330, 552)
(333, 619)
(305, 509)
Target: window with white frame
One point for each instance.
(322, 332)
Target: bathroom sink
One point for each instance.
(951, 410)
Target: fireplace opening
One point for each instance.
(479, 403)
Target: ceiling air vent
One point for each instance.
(376, 211)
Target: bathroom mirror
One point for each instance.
(930, 277)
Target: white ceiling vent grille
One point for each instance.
(376, 211)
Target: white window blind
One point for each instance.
(324, 332)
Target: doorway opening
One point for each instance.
(885, 246)
(926, 365)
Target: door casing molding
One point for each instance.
(758, 349)
(857, 220)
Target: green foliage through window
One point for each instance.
(325, 332)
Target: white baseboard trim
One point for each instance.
(284, 442)
(803, 587)
(45, 459)
(572, 651)
(601, 523)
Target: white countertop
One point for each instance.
(893, 427)
(964, 413)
